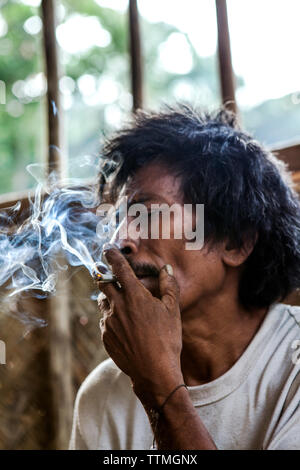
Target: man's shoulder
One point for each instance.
(293, 334)
(105, 382)
(104, 410)
(103, 378)
(282, 327)
(278, 360)
(294, 312)
(103, 374)
(283, 384)
(284, 315)
(288, 327)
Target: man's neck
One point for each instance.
(215, 334)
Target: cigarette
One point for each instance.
(100, 277)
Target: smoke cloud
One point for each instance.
(61, 219)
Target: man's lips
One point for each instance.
(145, 275)
(142, 275)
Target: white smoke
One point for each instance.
(62, 219)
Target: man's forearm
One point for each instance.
(179, 426)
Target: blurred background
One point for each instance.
(179, 48)
(112, 57)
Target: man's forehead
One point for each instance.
(155, 182)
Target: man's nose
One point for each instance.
(127, 244)
(128, 247)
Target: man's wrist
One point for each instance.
(177, 402)
(154, 394)
(172, 412)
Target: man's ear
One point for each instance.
(233, 256)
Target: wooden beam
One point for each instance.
(53, 98)
(224, 54)
(9, 200)
(290, 154)
(135, 56)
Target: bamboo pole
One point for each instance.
(60, 320)
(224, 54)
(135, 56)
(61, 364)
(53, 99)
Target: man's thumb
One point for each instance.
(169, 290)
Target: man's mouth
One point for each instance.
(143, 270)
(144, 275)
(148, 276)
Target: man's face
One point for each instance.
(199, 273)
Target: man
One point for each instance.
(203, 354)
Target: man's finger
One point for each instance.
(110, 290)
(169, 289)
(109, 338)
(121, 268)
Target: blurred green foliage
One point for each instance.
(21, 128)
(23, 117)
(23, 120)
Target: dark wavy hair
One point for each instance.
(246, 190)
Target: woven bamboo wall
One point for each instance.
(26, 391)
(25, 401)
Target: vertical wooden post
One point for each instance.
(53, 99)
(61, 364)
(135, 56)
(224, 53)
(59, 311)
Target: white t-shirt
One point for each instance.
(254, 405)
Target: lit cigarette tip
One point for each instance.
(97, 276)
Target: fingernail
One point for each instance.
(104, 258)
(169, 269)
(107, 246)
